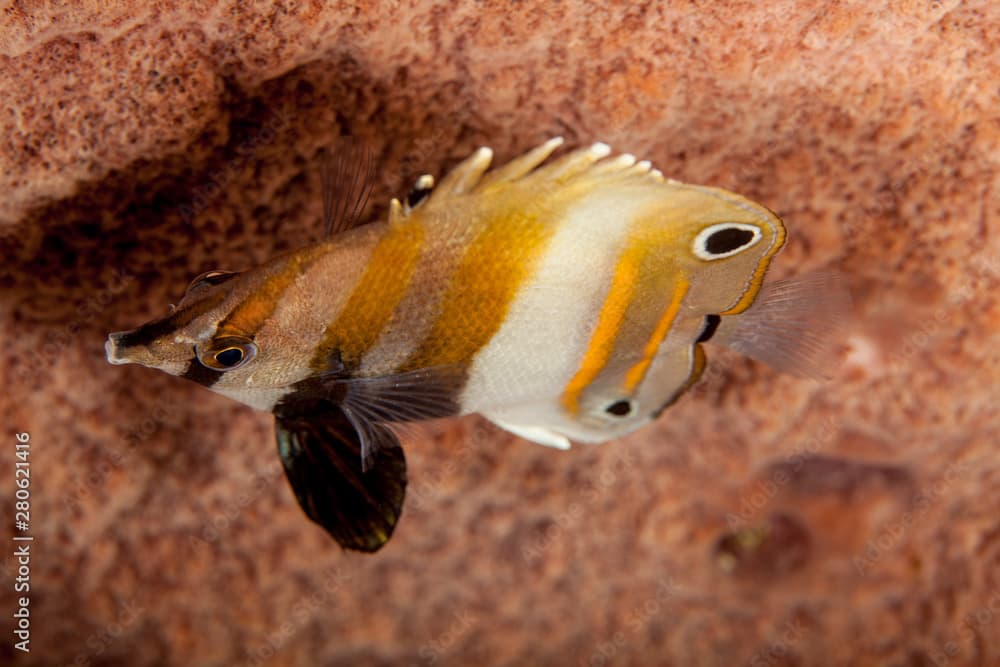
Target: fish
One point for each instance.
(565, 299)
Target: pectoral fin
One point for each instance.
(373, 403)
(320, 449)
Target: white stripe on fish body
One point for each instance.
(549, 324)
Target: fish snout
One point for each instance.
(141, 346)
(114, 348)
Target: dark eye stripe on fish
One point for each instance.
(200, 373)
(148, 333)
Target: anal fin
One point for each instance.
(536, 434)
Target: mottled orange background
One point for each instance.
(764, 520)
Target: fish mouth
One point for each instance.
(113, 348)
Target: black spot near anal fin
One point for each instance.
(622, 408)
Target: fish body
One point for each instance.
(565, 300)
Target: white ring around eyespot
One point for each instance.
(698, 246)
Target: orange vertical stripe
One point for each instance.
(485, 281)
(637, 372)
(373, 300)
(609, 321)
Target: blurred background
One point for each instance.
(764, 519)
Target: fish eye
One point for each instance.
(229, 357)
(228, 353)
(725, 240)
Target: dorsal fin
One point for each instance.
(625, 165)
(347, 178)
(584, 163)
(466, 175)
(396, 212)
(522, 165)
(574, 163)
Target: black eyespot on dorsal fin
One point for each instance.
(198, 372)
(725, 239)
(320, 449)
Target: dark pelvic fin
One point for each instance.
(320, 449)
(347, 179)
(378, 405)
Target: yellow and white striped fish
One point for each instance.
(563, 301)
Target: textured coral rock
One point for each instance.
(764, 520)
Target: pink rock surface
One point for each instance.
(764, 520)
